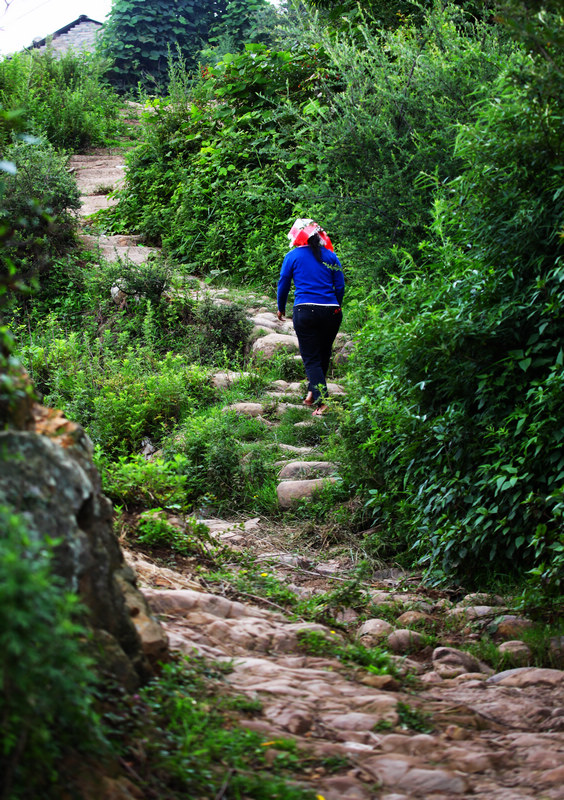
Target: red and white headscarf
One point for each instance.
(302, 229)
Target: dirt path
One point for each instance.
(440, 724)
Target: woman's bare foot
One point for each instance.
(308, 399)
(320, 411)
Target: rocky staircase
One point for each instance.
(442, 724)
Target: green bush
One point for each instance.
(223, 331)
(194, 539)
(134, 482)
(215, 468)
(459, 378)
(386, 126)
(212, 179)
(65, 98)
(122, 394)
(38, 201)
(46, 678)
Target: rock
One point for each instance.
(267, 346)
(405, 775)
(291, 492)
(405, 641)
(343, 354)
(482, 599)
(343, 787)
(553, 777)
(419, 744)
(517, 651)
(307, 469)
(412, 617)
(359, 721)
(246, 409)
(290, 448)
(431, 677)
(449, 662)
(374, 631)
(473, 612)
(473, 679)
(529, 676)
(335, 388)
(509, 626)
(223, 380)
(459, 758)
(384, 682)
(292, 720)
(153, 637)
(51, 479)
(266, 320)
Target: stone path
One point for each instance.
(442, 726)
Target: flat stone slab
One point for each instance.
(307, 469)
(246, 409)
(113, 248)
(267, 345)
(222, 380)
(291, 492)
(290, 448)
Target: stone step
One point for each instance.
(113, 248)
(307, 469)
(291, 492)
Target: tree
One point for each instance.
(140, 36)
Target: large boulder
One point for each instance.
(268, 345)
(47, 476)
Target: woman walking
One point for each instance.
(319, 289)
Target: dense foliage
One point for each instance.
(46, 676)
(66, 100)
(430, 149)
(460, 374)
(38, 201)
(330, 128)
(140, 37)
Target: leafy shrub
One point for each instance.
(214, 464)
(376, 137)
(157, 532)
(122, 394)
(65, 98)
(133, 481)
(460, 377)
(208, 169)
(223, 331)
(46, 686)
(37, 204)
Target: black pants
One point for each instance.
(316, 328)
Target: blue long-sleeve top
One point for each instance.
(314, 282)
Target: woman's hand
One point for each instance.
(280, 315)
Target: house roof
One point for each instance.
(65, 29)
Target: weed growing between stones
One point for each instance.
(251, 580)
(182, 739)
(413, 719)
(372, 659)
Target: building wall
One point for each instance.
(80, 38)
